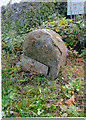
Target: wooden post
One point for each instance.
(71, 9)
(85, 14)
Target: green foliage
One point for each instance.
(37, 97)
(11, 41)
(72, 87)
(72, 33)
(44, 15)
(83, 53)
(22, 20)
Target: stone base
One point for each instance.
(32, 65)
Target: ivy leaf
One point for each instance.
(57, 30)
(60, 22)
(53, 106)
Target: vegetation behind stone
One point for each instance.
(25, 17)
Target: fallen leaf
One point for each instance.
(70, 101)
(31, 77)
(4, 92)
(79, 60)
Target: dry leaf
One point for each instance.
(31, 77)
(79, 60)
(70, 101)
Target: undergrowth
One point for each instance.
(34, 95)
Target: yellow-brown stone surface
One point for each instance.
(46, 47)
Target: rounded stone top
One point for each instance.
(46, 47)
(48, 37)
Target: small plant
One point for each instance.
(72, 87)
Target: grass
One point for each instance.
(34, 95)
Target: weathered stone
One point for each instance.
(46, 47)
(32, 65)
